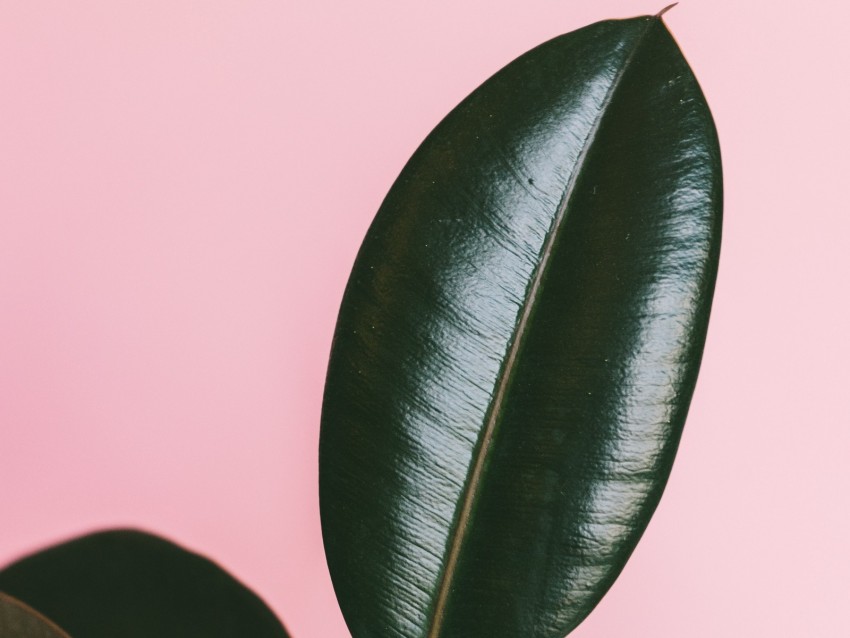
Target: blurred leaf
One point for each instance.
(17, 620)
(519, 342)
(129, 584)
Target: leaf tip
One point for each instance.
(665, 10)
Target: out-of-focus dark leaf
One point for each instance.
(18, 620)
(129, 584)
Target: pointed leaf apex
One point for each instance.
(665, 9)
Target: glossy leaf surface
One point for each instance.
(519, 342)
(18, 620)
(133, 585)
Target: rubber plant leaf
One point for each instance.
(18, 620)
(134, 585)
(519, 341)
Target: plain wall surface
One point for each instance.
(183, 188)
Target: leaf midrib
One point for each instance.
(494, 409)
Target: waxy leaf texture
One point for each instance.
(519, 341)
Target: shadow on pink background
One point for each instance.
(183, 187)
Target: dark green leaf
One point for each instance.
(519, 341)
(17, 620)
(129, 584)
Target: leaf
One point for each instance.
(519, 341)
(131, 584)
(17, 620)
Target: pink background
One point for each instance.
(183, 187)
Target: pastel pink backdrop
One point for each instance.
(183, 187)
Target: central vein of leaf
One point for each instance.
(495, 408)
